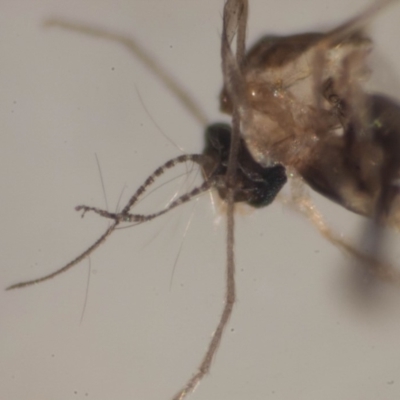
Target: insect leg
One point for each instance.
(302, 203)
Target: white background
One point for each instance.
(297, 331)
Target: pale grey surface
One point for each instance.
(295, 332)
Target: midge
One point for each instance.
(298, 105)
